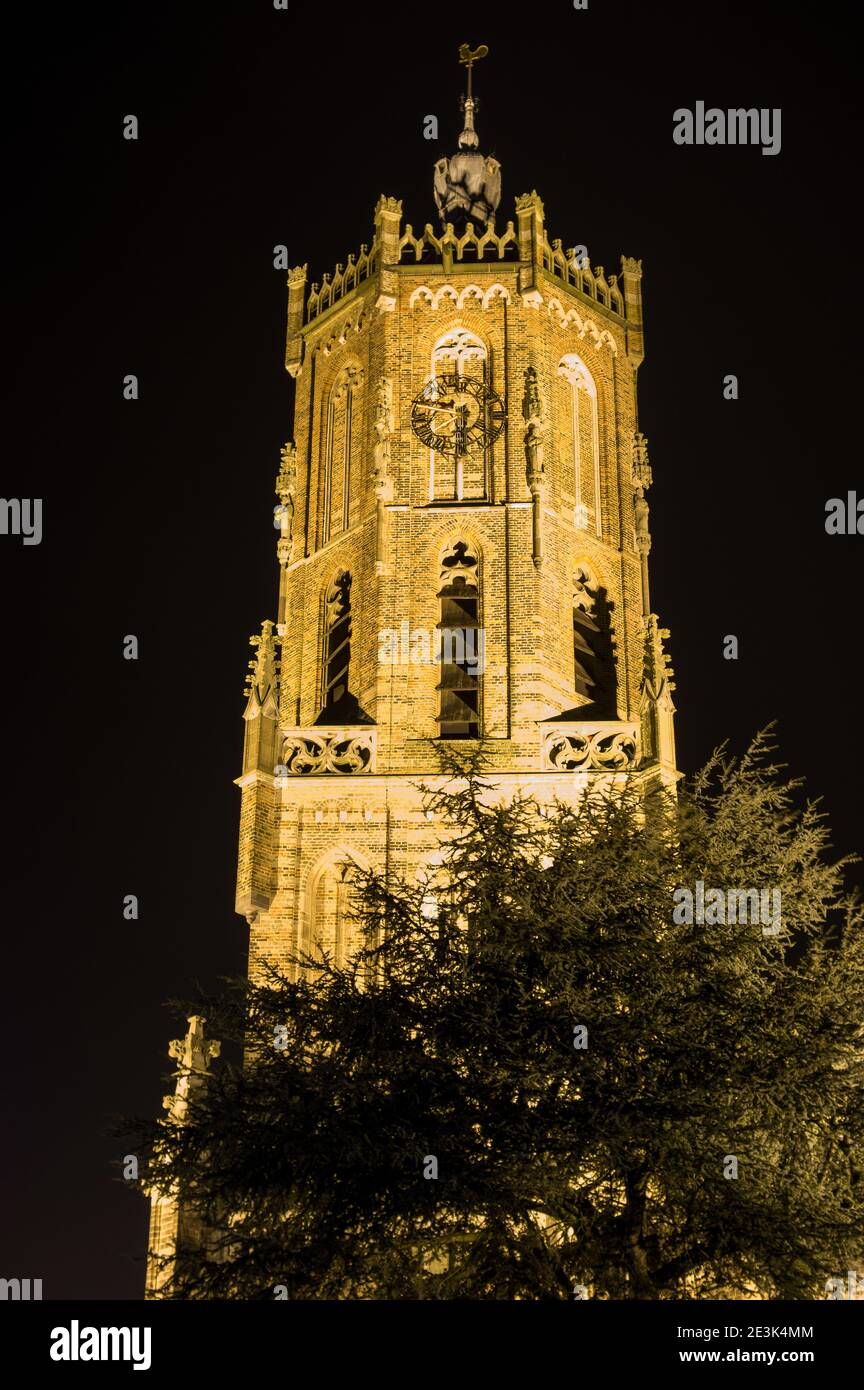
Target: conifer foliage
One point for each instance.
(535, 1081)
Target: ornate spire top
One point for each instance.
(468, 184)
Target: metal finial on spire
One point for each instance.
(468, 184)
(468, 57)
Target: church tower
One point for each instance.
(463, 545)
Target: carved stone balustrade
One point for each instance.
(592, 746)
(346, 750)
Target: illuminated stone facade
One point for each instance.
(525, 538)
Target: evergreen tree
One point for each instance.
(548, 1083)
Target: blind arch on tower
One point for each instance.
(331, 903)
(580, 428)
(339, 436)
(462, 352)
(461, 645)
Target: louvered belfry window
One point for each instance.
(337, 642)
(459, 713)
(593, 660)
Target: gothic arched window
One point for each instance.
(449, 478)
(461, 638)
(337, 478)
(581, 430)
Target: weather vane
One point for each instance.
(470, 56)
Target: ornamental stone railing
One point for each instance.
(344, 279)
(477, 244)
(347, 750)
(596, 746)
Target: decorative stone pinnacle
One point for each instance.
(526, 201)
(194, 1051)
(642, 475)
(193, 1055)
(287, 477)
(656, 669)
(386, 205)
(263, 667)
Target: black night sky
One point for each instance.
(261, 127)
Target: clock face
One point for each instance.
(457, 414)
